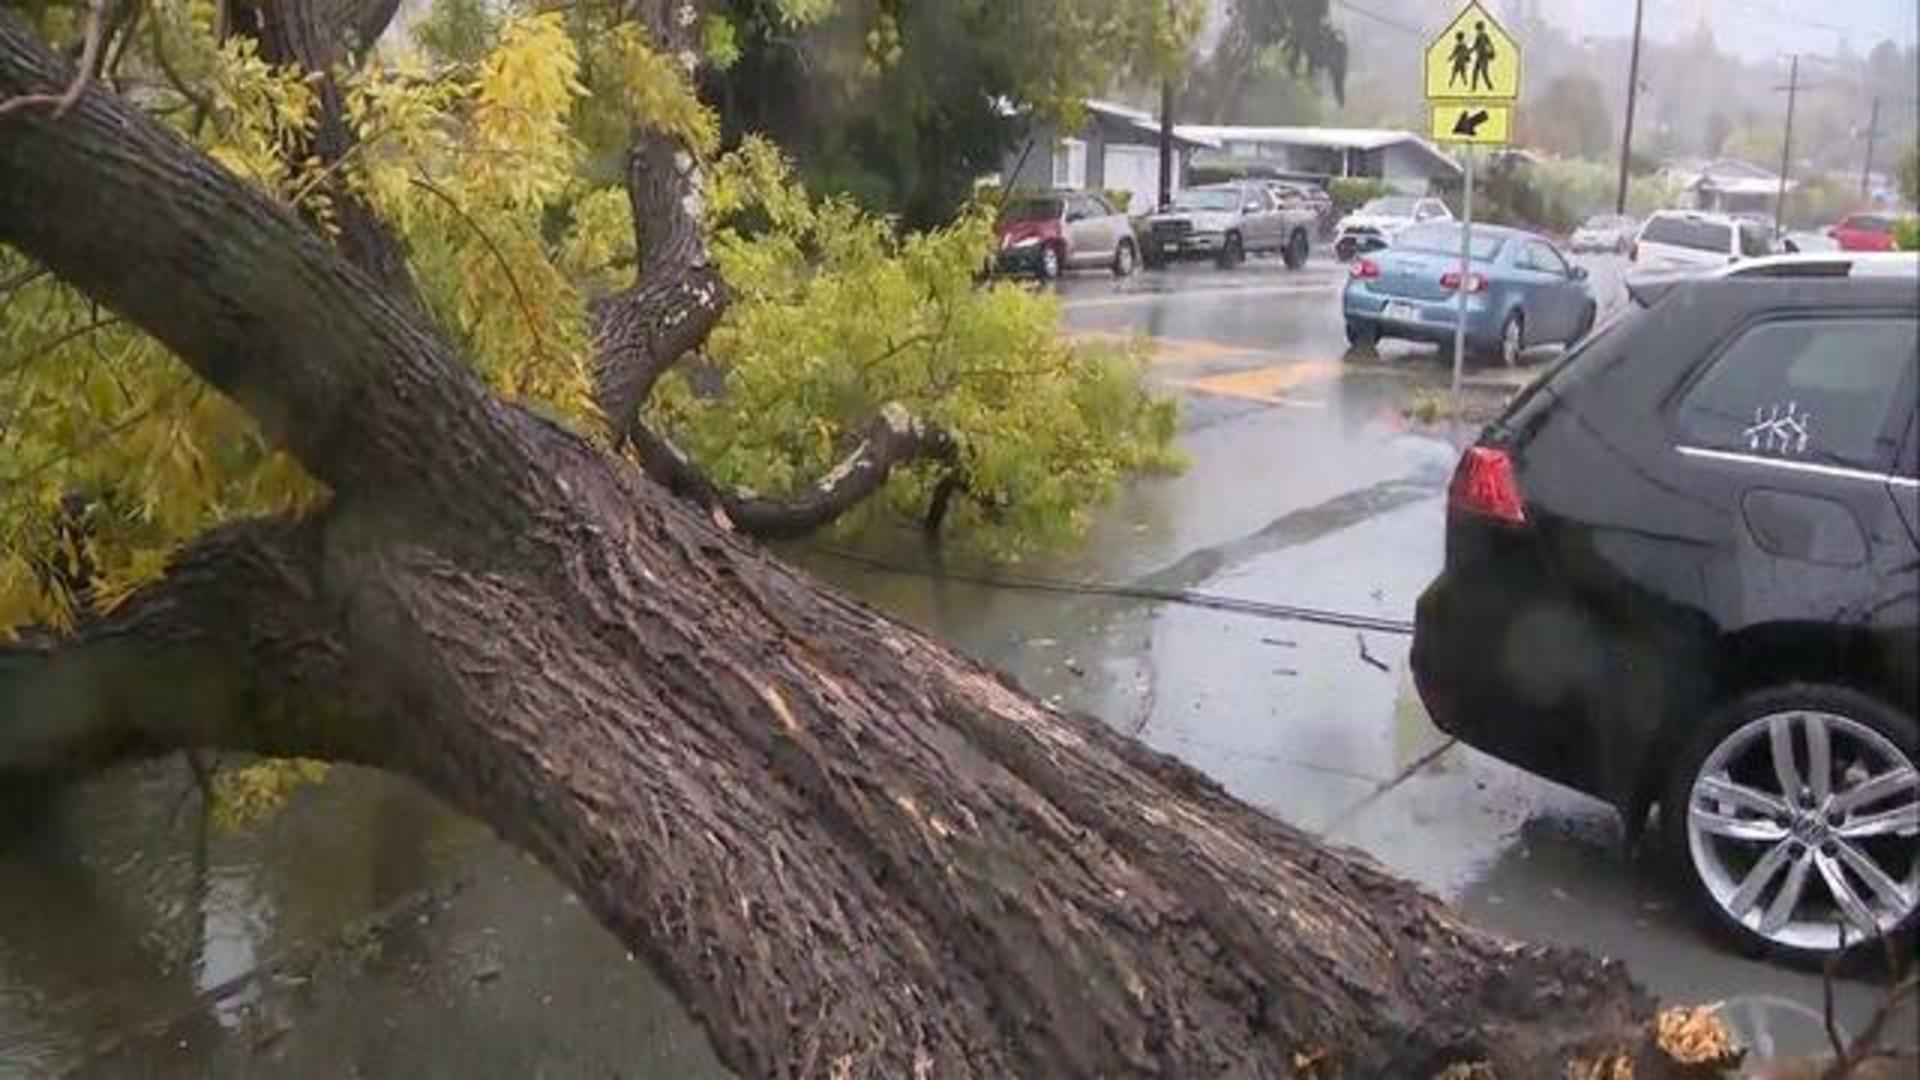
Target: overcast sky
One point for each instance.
(1755, 28)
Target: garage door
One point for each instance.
(1135, 170)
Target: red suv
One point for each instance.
(1864, 232)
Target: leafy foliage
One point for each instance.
(1047, 429)
(248, 794)
(1906, 234)
(1351, 193)
(481, 154)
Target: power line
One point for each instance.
(1015, 582)
(1779, 16)
(1384, 20)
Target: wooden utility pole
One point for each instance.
(1786, 145)
(1166, 142)
(1873, 132)
(1633, 96)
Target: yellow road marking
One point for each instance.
(1266, 382)
(1163, 350)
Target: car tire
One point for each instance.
(1513, 339)
(1362, 335)
(1123, 259)
(1295, 253)
(1232, 252)
(1344, 249)
(1587, 318)
(1052, 262)
(1739, 843)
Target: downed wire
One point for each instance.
(1256, 608)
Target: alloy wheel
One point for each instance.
(1050, 263)
(1510, 346)
(1803, 827)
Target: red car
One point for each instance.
(1045, 235)
(1864, 232)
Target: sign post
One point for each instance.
(1472, 81)
(1466, 267)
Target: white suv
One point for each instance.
(1688, 240)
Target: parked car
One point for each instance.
(1293, 193)
(1604, 232)
(1375, 224)
(1690, 240)
(1226, 223)
(1521, 291)
(1681, 569)
(1863, 232)
(1831, 264)
(1045, 235)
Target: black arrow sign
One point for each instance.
(1469, 123)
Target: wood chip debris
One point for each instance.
(1695, 1036)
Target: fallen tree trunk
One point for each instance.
(851, 851)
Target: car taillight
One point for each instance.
(1366, 269)
(1484, 485)
(1476, 283)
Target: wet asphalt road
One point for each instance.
(366, 931)
(1302, 720)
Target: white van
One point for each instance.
(1689, 240)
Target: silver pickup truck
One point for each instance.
(1226, 223)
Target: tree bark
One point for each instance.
(851, 851)
(678, 296)
(319, 36)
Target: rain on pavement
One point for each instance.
(366, 931)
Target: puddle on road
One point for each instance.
(364, 927)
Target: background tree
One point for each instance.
(1717, 130)
(904, 103)
(849, 850)
(1571, 119)
(1262, 48)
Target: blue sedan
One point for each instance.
(1521, 291)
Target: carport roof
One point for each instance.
(1327, 138)
(1148, 123)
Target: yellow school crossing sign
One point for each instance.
(1482, 123)
(1473, 59)
(1473, 80)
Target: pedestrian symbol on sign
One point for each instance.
(1473, 58)
(1483, 54)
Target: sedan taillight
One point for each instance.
(1484, 485)
(1476, 283)
(1365, 269)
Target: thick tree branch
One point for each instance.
(319, 36)
(232, 649)
(124, 210)
(640, 332)
(896, 437)
(678, 297)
